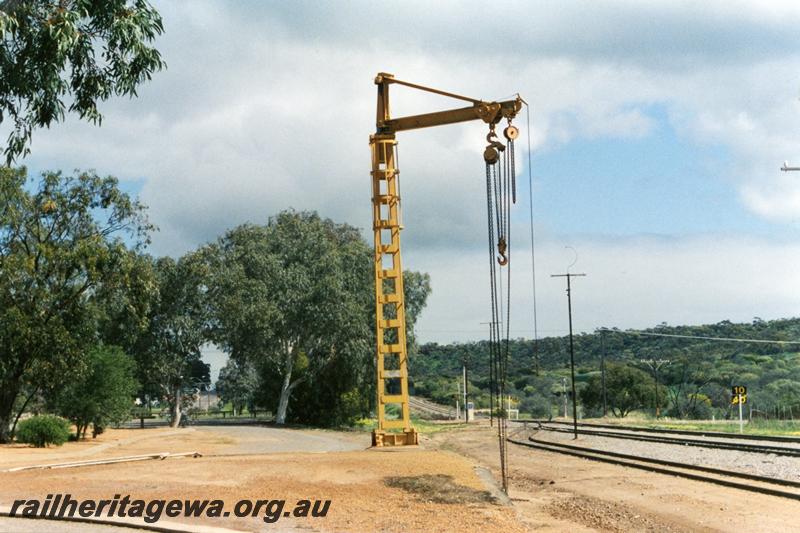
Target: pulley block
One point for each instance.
(511, 132)
(490, 155)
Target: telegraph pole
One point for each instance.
(466, 393)
(603, 368)
(571, 348)
(654, 365)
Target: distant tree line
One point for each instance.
(89, 321)
(696, 383)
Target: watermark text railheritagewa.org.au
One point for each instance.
(64, 506)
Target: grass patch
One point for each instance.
(761, 427)
(439, 488)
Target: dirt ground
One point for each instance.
(431, 488)
(553, 492)
(418, 489)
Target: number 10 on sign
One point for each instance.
(739, 397)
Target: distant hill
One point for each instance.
(698, 365)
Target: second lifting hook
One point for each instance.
(491, 154)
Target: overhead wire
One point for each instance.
(533, 242)
(699, 337)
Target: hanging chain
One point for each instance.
(511, 133)
(501, 192)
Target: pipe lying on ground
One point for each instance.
(125, 459)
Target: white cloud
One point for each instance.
(269, 106)
(630, 283)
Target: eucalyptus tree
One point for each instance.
(416, 289)
(237, 384)
(627, 389)
(78, 51)
(293, 297)
(61, 246)
(169, 351)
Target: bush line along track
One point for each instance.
(715, 434)
(760, 484)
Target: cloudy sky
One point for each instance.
(657, 131)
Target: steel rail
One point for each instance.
(668, 467)
(720, 434)
(742, 447)
(431, 408)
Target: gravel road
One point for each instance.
(259, 439)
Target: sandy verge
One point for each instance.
(370, 490)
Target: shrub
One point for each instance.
(536, 405)
(43, 430)
(103, 394)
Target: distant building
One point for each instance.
(204, 400)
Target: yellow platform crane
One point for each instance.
(392, 351)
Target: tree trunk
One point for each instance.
(175, 408)
(283, 401)
(8, 393)
(21, 410)
(291, 352)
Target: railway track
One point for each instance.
(429, 407)
(714, 434)
(697, 440)
(739, 480)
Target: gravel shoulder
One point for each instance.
(769, 465)
(554, 492)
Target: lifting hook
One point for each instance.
(501, 249)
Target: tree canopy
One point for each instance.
(237, 384)
(169, 350)
(61, 248)
(78, 51)
(627, 389)
(292, 298)
(695, 384)
(102, 394)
